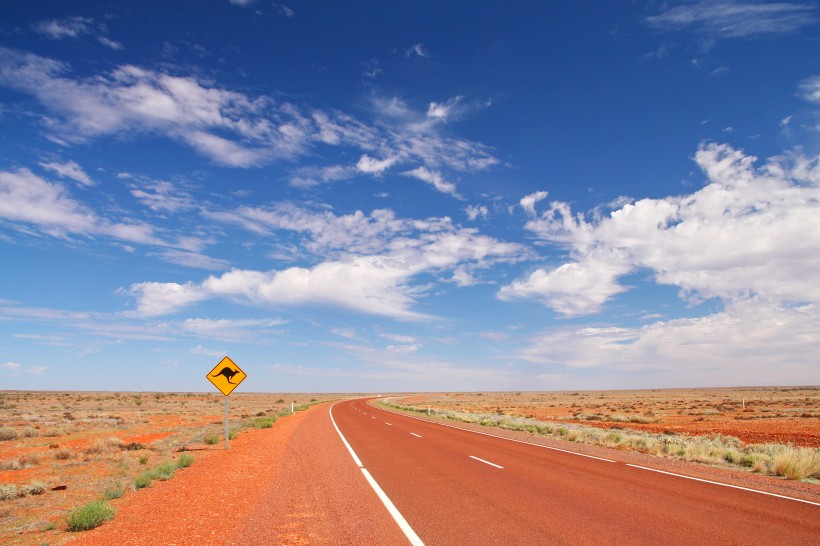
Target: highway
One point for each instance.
(457, 487)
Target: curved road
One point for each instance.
(458, 487)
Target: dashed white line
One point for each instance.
(416, 435)
(486, 462)
(500, 437)
(397, 517)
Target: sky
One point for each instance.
(409, 196)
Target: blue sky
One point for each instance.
(403, 196)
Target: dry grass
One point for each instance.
(792, 462)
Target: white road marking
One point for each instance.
(723, 484)
(416, 435)
(500, 437)
(486, 462)
(391, 508)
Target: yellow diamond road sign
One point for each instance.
(226, 376)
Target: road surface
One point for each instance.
(457, 487)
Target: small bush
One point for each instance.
(264, 422)
(562, 431)
(143, 480)
(64, 454)
(163, 472)
(89, 515)
(185, 460)
(113, 491)
(143, 459)
(8, 491)
(797, 463)
(8, 434)
(34, 488)
(211, 439)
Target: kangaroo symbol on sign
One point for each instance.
(228, 372)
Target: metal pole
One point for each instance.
(291, 407)
(226, 422)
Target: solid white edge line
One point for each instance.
(391, 508)
(342, 436)
(495, 436)
(722, 484)
(403, 525)
(486, 462)
(416, 435)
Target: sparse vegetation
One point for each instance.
(89, 516)
(185, 460)
(792, 462)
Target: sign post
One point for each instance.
(226, 376)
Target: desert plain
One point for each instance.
(60, 450)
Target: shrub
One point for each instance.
(143, 480)
(163, 472)
(34, 488)
(265, 422)
(185, 460)
(89, 515)
(8, 434)
(796, 463)
(211, 439)
(8, 491)
(64, 454)
(113, 491)
(143, 459)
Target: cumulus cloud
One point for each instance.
(476, 211)
(733, 19)
(741, 341)
(528, 202)
(379, 282)
(749, 233)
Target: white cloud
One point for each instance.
(154, 298)
(717, 349)
(307, 177)
(749, 233)
(12, 366)
(229, 329)
(810, 89)
(70, 27)
(15, 367)
(239, 130)
(417, 49)
(349, 333)
(398, 338)
(27, 198)
(109, 43)
(528, 202)
(476, 211)
(733, 19)
(370, 165)
(162, 196)
(194, 259)
(69, 169)
(442, 111)
(435, 179)
(378, 283)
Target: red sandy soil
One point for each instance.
(785, 415)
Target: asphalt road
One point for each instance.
(458, 487)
